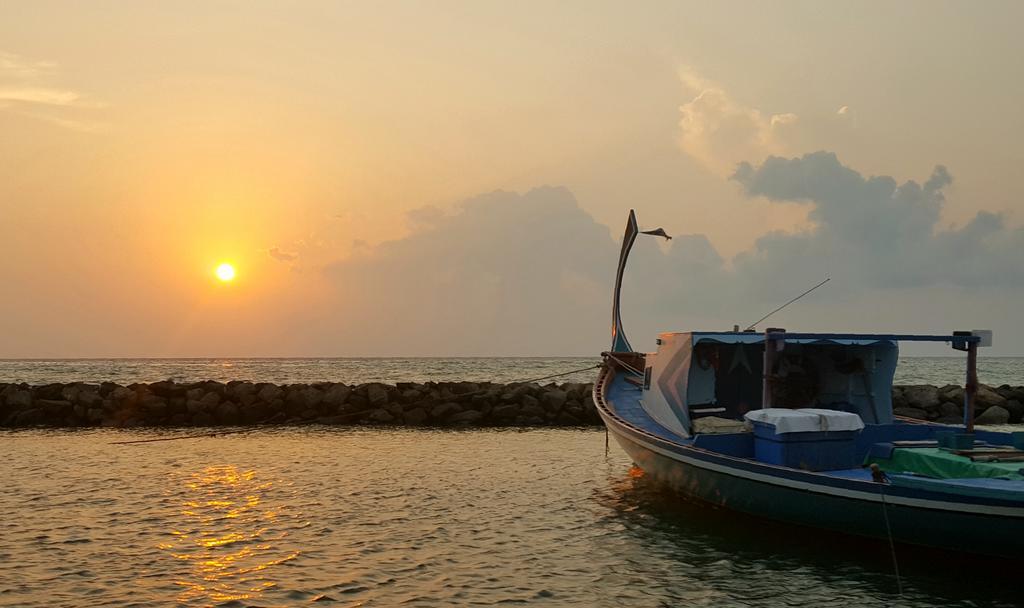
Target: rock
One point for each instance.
(443, 410)
(531, 407)
(415, 416)
(227, 413)
(312, 397)
(167, 388)
(242, 392)
(993, 415)
(950, 409)
(1017, 394)
(987, 398)
(922, 396)
(194, 406)
(334, 420)
(210, 400)
(54, 407)
(953, 393)
(202, 419)
(49, 392)
(467, 418)
(122, 395)
(555, 399)
(515, 393)
(268, 392)
(567, 419)
(155, 407)
(950, 420)
(376, 394)
(381, 415)
(1016, 409)
(19, 399)
(911, 412)
(89, 396)
(29, 417)
(505, 413)
(336, 396)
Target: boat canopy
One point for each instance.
(821, 338)
(721, 374)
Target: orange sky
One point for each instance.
(142, 144)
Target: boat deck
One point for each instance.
(625, 400)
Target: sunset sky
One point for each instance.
(452, 178)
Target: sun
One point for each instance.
(225, 272)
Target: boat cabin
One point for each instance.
(697, 380)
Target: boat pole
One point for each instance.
(769, 360)
(971, 386)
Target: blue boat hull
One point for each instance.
(849, 506)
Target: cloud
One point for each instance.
(719, 132)
(38, 95)
(424, 216)
(843, 111)
(506, 273)
(876, 231)
(25, 90)
(14, 65)
(282, 256)
(531, 273)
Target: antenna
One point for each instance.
(752, 325)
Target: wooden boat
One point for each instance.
(799, 427)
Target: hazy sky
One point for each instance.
(452, 178)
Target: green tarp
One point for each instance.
(940, 464)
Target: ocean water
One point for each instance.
(375, 517)
(911, 370)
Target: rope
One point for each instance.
(347, 415)
(880, 478)
(628, 367)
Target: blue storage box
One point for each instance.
(809, 450)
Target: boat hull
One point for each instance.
(857, 509)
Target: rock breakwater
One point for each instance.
(993, 405)
(412, 404)
(244, 403)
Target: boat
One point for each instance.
(799, 428)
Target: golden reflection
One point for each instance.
(229, 536)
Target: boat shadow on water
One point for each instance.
(704, 539)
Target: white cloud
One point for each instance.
(26, 90)
(39, 95)
(720, 132)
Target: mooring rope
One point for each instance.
(881, 479)
(346, 415)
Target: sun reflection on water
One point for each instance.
(230, 534)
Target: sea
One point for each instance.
(339, 516)
(939, 371)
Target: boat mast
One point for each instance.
(619, 342)
(971, 386)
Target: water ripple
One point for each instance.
(370, 517)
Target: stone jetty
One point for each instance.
(169, 403)
(442, 404)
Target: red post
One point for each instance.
(971, 388)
